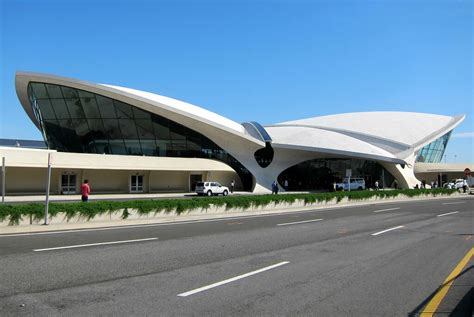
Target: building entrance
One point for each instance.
(193, 179)
(68, 184)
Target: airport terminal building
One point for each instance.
(127, 141)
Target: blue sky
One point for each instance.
(268, 61)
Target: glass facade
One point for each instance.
(320, 174)
(74, 120)
(433, 152)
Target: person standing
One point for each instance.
(285, 184)
(377, 185)
(232, 184)
(85, 190)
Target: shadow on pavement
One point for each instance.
(465, 306)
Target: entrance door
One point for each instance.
(193, 179)
(136, 184)
(68, 184)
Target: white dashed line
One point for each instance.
(380, 232)
(455, 202)
(93, 244)
(204, 288)
(298, 222)
(447, 214)
(387, 209)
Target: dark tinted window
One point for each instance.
(79, 121)
(54, 91)
(106, 107)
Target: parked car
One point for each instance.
(211, 188)
(355, 184)
(456, 184)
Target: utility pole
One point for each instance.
(3, 179)
(48, 185)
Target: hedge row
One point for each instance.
(15, 213)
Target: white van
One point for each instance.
(355, 184)
(211, 188)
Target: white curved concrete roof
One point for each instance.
(178, 105)
(199, 119)
(318, 140)
(391, 131)
(388, 136)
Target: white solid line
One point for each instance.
(387, 209)
(93, 244)
(449, 213)
(204, 288)
(455, 202)
(380, 232)
(298, 222)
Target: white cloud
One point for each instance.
(463, 135)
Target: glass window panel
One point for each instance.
(112, 129)
(60, 108)
(89, 105)
(40, 91)
(128, 128)
(193, 145)
(70, 140)
(84, 135)
(179, 145)
(46, 109)
(177, 131)
(31, 94)
(106, 107)
(67, 125)
(69, 92)
(140, 114)
(117, 147)
(162, 132)
(75, 108)
(145, 129)
(81, 127)
(96, 127)
(149, 148)
(162, 147)
(85, 94)
(124, 111)
(133, 147)
(54, 91)
(102, 146)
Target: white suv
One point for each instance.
(211, 188)
(356, 184)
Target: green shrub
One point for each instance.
(15, 213)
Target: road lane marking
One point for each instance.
(455, 202)
(94, 244)
(447, 214)
(298, 222)
(205, 288)
(387, 230)
(387, 209)
(430, 308)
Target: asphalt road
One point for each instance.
(378, 260)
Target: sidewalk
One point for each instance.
(77, 198)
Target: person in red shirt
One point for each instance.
(85, 190)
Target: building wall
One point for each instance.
(27, 180)
(168, 181)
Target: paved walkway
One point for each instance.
(77, 198)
